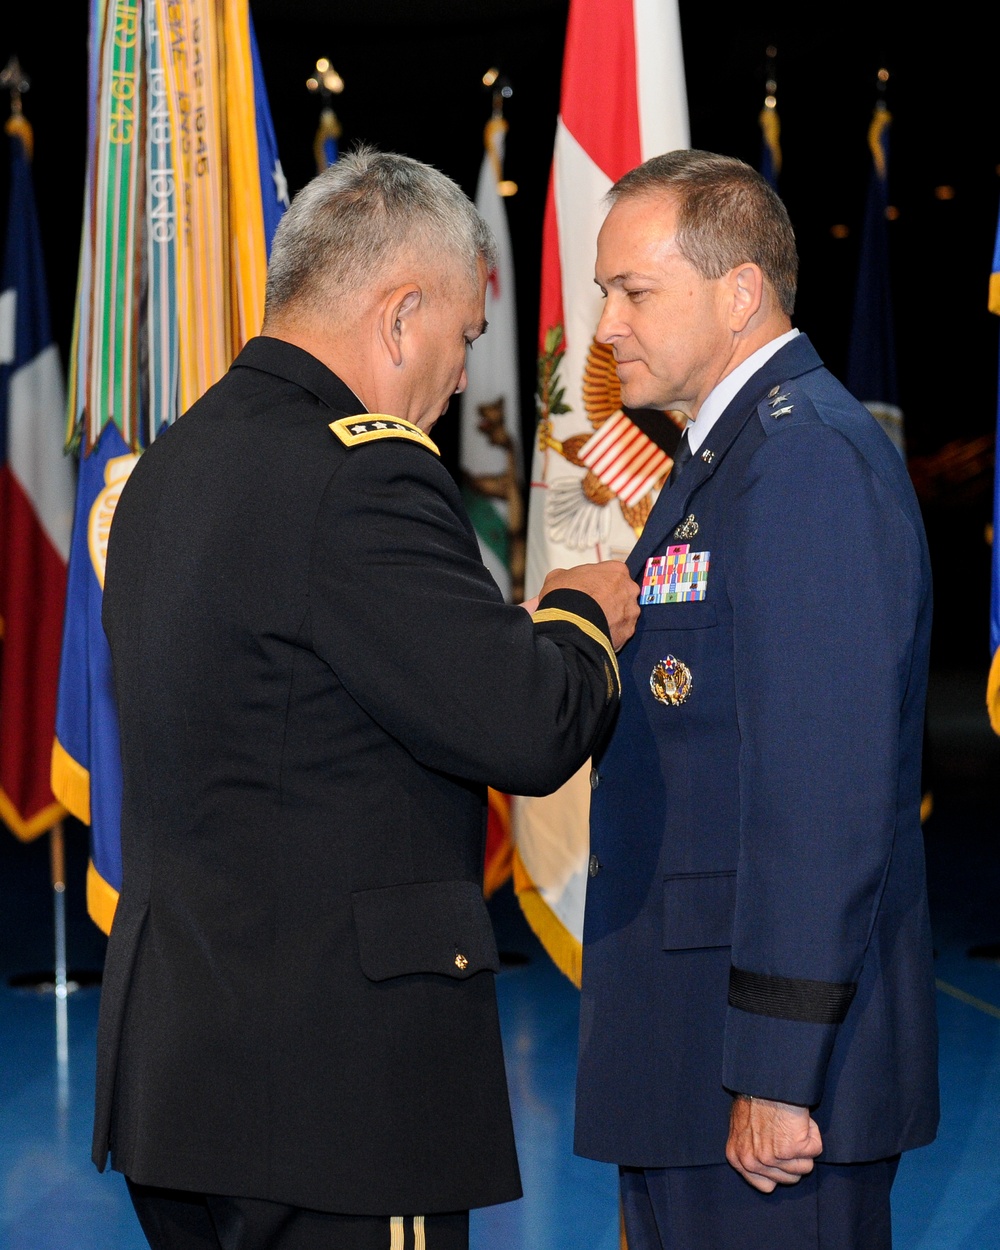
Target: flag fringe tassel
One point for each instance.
(70, 782)
(102, 899)
(993, 692)
(995, 293)
(562, 947)
(28, 830)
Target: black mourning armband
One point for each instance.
(790, 998)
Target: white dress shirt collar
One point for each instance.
(719, 399)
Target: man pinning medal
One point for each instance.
(316, 680)
(757, 1039)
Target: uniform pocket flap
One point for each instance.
(434, 926)
(698, 910)
(697, 615)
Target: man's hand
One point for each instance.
(771, 1143)
(609, 583)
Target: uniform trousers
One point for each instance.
(174, 1219)
(834, 1207)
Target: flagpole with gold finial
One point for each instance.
(16, 81)
(326, 83)
(770, 125)
(497, 127)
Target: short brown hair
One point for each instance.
(727, 215)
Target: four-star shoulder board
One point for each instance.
(371, 426)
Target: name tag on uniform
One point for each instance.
(681, 576)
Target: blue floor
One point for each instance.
(947, 1196)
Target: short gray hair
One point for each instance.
(727, 214)
(345, 228)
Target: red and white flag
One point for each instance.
(36, 513)
(594, 473)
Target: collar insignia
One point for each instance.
(688, 528)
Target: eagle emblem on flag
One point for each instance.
(620, 460)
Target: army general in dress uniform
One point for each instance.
(316, 680)
(757, 1037)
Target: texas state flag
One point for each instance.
(36, 512)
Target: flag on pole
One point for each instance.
(770, 126)
(326, 142)
(184, 186)
(326, 83)
(770, 147)
(871, 359)
(490, 447)
(622, 101)
(993, 685)
(36, 509)
(489, 438)
(274, 185)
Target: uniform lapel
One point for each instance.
(791, 361)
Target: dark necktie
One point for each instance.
(681, 456)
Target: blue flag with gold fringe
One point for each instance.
(770, 141)
(871, 360)
(199, 230)
(86, 766)
(274, 187)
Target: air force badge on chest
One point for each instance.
(681, 576)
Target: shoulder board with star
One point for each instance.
(371, 426)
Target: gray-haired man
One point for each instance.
(317, 679)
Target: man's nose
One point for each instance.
(463, 382)
(609, 327)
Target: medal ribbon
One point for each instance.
(76, 390)
(192, 73)
(113, 375)
(160, 236)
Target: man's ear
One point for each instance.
(746, 285)
(397, 309)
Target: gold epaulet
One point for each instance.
(353, 431)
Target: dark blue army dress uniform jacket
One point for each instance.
(316, 680)
(756, 916)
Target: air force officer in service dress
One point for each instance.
(317, 679)
(757, 1037)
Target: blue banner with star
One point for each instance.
(273, 187)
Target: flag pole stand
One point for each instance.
(59, 981)
(57, 862)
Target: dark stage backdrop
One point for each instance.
(413, 70)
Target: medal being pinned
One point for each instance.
(670, 681)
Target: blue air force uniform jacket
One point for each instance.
(756, 917)
(317, 679)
